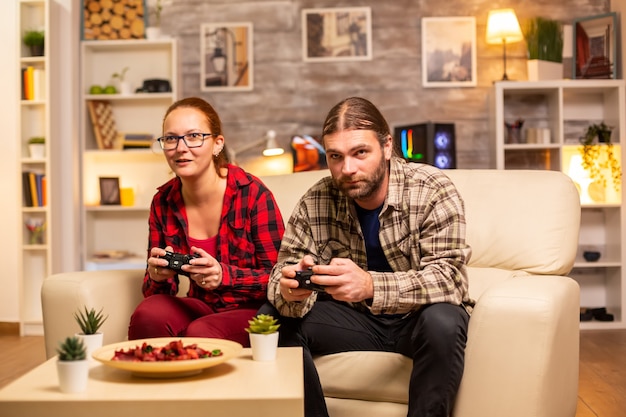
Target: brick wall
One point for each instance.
(292, 96)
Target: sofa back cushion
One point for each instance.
(520, 220)
(517, 220)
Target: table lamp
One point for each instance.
(503, 28)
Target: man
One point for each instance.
(386, 239)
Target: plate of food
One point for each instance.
(167, 357)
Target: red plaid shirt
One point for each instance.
(248, 240)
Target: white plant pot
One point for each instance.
(37, 150)
(264, 346)
(539, 70)
(91, 342)
(73, 375)
(153, 32)
(125, 88)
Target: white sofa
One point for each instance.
(522, 350)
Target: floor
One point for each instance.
(602, 382)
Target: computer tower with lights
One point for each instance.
(428, 143)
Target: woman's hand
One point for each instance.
(205, 271)
(157, 266)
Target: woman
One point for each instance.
(217, 212)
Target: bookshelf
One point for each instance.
(115, 236)
(34, 175)
(555, 115)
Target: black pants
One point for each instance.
(434, 338)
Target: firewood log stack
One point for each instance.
(113, 19)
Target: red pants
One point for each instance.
(165, 315)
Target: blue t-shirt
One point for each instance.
(370, 225)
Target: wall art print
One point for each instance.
(449, 52)
(337, 34)
(226, 62)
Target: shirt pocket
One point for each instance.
(241, 250)
(333, 249)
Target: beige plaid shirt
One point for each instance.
(422, 233)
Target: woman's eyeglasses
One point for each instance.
(192, 140)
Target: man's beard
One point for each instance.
(367, 186)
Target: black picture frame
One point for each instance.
(595, 47)
(110, 191)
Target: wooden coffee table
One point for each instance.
(240, 387)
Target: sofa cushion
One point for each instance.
(370, 376)
(542, 239)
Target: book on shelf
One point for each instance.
(33, 83)
(34, 187)
(137, 140)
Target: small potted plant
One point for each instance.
(154, 31)
(90, 322)
(595, 142)
(123, 85)
(263, 329)
(35, 40)
(37, 147)
(72, 365)
(544, 42)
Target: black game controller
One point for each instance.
(304, 281)
(177, 260)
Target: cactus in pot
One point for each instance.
(263, 324)
(72, 365)
(72, 349)
(263, 329)
(90, 321)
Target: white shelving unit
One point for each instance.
(111, 228)
(34, 114)
(564, 109)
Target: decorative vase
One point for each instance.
(73, 375)
(91, 342)
(153, 32)
(539, 70)
(264, 346)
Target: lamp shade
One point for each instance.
(271, 147)
(503, 27)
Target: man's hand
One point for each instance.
(344, 280)
(289, 286)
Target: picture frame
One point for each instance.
(337, 34)
(226, 52)
(109, 191)
(449, 51)
(595, 47)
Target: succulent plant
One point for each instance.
(72, 349)
(90, 321)
(263, 324)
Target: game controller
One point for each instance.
(177, 260)
(304, 281)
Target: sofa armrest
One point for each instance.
(522, 351)
(117, 292)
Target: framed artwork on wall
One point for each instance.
(449, 51)
(337, 34)
(226, 60)
(595, 47)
